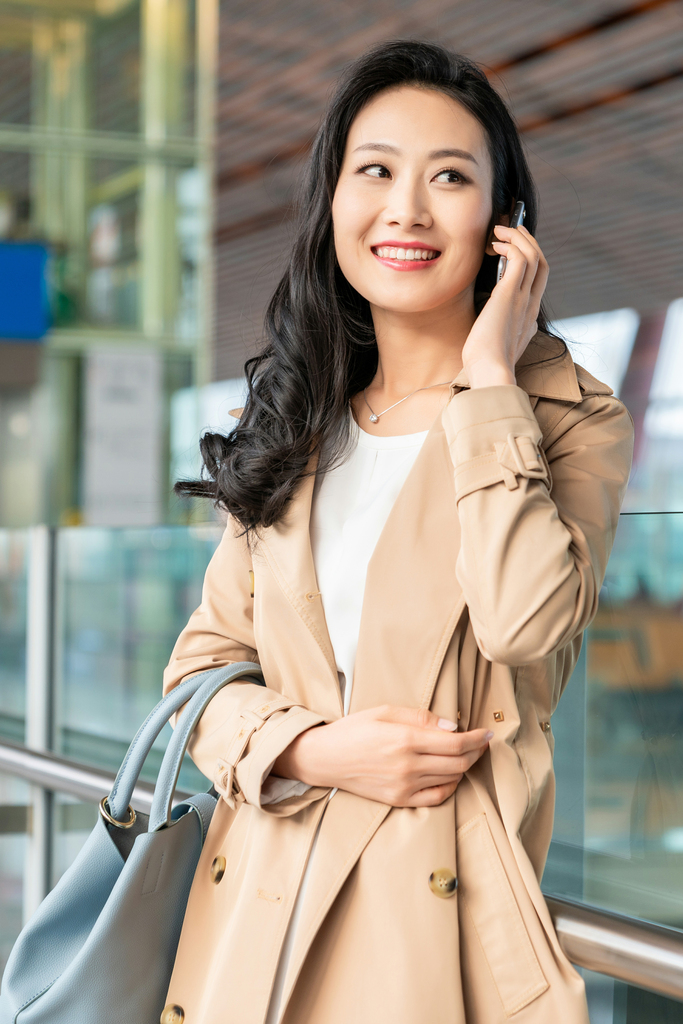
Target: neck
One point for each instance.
(418, 349)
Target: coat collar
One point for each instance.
(545, 370)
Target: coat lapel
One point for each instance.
(286, 548)
(412, 598)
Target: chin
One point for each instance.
(418, 300)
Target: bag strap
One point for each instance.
(126, 779)
(160, 814)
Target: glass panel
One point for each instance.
(85, 69)
(124, 233)
(73, 822)
(116, 68)
(14, 799)
(618, 840)
(113, 285)
(15, 200)
(15, 66)
(123, 598)
(13, 581)
(92, 211)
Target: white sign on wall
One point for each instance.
(122, 451)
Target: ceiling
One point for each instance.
(595, 85)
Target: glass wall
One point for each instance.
(99, 156)
(106, 158)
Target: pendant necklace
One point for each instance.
(374, 416)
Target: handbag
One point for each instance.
(100, 948)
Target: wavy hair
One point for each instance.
(320, 347)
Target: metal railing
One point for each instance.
(646, 955)
(60, 775)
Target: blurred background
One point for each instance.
(148, 154)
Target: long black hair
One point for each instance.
(320, 347)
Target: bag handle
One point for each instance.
(160, 814)
(122, 791)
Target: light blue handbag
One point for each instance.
(101, 946)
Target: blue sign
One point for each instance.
(24, 300)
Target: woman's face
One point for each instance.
(413, 202)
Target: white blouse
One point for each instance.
(351, 504)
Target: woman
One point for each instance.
(423, 492)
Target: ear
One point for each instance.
(504, 219)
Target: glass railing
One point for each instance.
(122, 598)
(618, 840)
(14, 825)
(119, 600)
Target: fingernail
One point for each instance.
(489, 736)
(444, 723)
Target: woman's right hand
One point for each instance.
(404, 757)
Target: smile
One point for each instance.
(405, 259)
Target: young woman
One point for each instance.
(422, 492)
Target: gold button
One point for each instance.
(172, 1014)
(217, 871)
(443, 883)
(545, 726)
(498, 716)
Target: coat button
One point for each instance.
(172, 1014)
(217, 872)
(443, 883)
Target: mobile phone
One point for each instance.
(516, 219)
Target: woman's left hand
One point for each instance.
(507, 323)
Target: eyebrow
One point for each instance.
(436, 154)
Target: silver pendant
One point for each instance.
(374, 418)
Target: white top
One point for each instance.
(351, 504)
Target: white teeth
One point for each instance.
(386, 252)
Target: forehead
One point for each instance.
(416, 121)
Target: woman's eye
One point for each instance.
(449, 177)
(376, 171)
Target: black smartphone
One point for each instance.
(516, 219)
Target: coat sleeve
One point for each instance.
(245, 727)
(536, 526)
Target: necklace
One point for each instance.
(374, 416)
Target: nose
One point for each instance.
(407, 206)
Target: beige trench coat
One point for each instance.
(482, 582)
